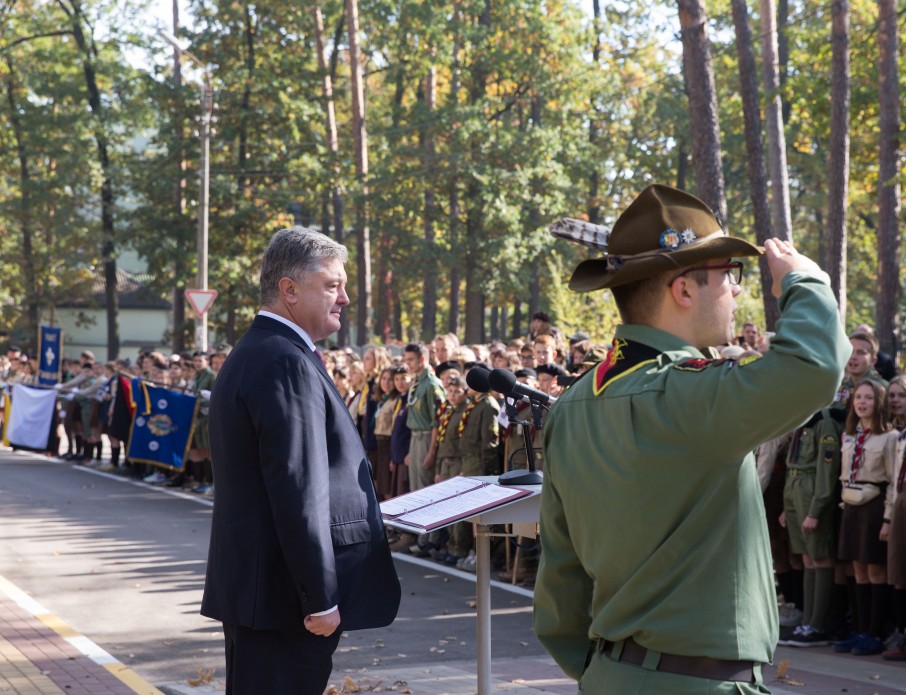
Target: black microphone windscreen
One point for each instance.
(477, 379)
(502, 381)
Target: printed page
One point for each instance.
(462, 506)
(428, 495)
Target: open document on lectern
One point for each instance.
(442, 504)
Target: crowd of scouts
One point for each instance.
(837, 516)
(832, 488)
(95, 403)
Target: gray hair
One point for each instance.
(292, 253)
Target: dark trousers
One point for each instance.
(276, 662)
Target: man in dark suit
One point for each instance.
(298, 552)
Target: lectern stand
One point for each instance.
(524, 510)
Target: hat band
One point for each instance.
(617, 262)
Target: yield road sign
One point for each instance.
(201, 300)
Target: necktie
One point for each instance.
(320, 357)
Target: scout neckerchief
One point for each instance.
(410, 397)
(380, 405)
(861, 436)
(475, 400)
(901, 478)
(398, 405)
(444, 415)
(624, 357)
(363, 401)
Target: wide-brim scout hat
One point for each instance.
(662, 228)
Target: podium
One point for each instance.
(525, 510)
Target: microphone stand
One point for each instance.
(519, 476)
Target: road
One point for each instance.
(123, 563)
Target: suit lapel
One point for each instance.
(269, 324)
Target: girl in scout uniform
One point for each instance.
(868, 454)
(388, 397)
(896, 540)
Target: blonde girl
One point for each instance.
(868, 454)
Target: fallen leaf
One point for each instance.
(205, 677)
(782, 668)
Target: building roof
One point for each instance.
(133, 292)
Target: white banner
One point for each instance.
(30, 417)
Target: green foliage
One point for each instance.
(534, 117)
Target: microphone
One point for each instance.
(505, 382)
(477, 379)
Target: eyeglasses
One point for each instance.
(733, 271)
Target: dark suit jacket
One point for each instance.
(296, 527)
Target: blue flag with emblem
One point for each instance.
(162, 426)
(50, 352)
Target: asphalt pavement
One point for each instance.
(117, 568)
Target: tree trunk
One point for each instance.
(429, 286)
(888, 298)
(517, 319)
(783, 54)
(780, 185)
(474, 227)
(706, 157)
(682, 162)
(360, 139)
(453, 230)
(179, 201)
(758, 185)
(330, 127)
(32, 291)
(594, 202)
(838, 161)
(108, 238)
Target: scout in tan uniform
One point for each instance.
(655, 572)
(867, 469)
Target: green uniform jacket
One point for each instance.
(448, 447)
(481, 433)
(425, 395)
(204, 381)
(816, 449)
(652, 521)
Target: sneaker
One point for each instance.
(895, 654)
(809, 637)
(155, 478)
(789, 615)
(467, 560)
(788, 633)
(868, 646)
(896, 639)
(419, 550)
(448, 559)
(107, 468)
(201, 488)
(846, 646)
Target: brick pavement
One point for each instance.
(41, 655)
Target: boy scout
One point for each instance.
(812, 469)
(655, 573)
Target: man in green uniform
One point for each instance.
(655, 574)
(812, 470)
(425, 395)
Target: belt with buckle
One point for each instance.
(631, 652)
(799, 472)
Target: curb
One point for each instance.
(123, 673)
